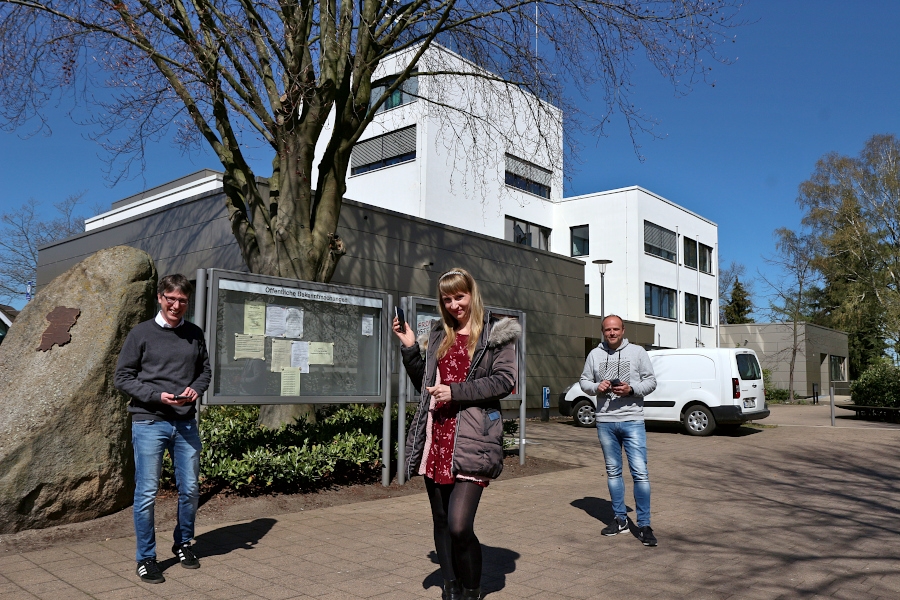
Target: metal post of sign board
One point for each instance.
(200, 312)
(386, 424)
(402, 385)
(832, 405)
(522, 407)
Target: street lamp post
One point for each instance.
(601, 264)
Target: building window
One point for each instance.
(580, 241)
(838, 368)
(659, 301)
(705, 259)
(527, 176)
(527, 234)
(406, 93)
(690, 309)
(383, 151)
(659, 241)
(690, 253)
(705, 311)
(587, 299)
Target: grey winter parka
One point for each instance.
(478, 445)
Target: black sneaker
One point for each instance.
(148, 571)
(186, 555)
(645, 534)
(617, 526)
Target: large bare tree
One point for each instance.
(275, 76)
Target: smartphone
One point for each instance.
(614, 382)
(180, 397)
(400, 317)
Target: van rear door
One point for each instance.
(750, 382)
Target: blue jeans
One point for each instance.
(633, 436)
(150, 440)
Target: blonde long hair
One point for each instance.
(452, 282)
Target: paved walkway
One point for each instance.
(782, 512)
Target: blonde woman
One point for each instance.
(462, 370)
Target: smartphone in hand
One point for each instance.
(398, 312)
(614, 382)
(180, 397)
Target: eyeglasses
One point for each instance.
(171, 301)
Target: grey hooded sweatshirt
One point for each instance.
(628, 363)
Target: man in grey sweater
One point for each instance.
(620, 374)
(164, 367)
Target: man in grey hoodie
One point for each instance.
(620, 374)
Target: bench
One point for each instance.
(874, 413)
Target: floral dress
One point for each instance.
(453, 368)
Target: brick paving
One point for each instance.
(781, 512)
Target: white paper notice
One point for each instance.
(254, 318)
(290, 381)
(281, 354)
(249, 346)
(321, 353)
(300, 356)
(368, 325)
(423, 325)
(293, 322)
(275, 320)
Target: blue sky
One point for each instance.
(809, 77)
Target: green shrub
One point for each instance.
(773, 394)
(344, 446)
(879, 385)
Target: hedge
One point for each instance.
(879, 385)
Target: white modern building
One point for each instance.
(484, 172)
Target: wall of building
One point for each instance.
(387, 250)
(773, 342)
(616, 229)
(458, 175)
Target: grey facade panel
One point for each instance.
(389, 251)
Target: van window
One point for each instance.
(748, 368)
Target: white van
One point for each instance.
(703, 388)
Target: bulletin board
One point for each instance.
(286, 341)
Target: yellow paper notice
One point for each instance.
(281, 354)
(290, 381)
(321, 353)
(249, 346)
(254, 318)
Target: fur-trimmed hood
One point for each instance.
(503, 331)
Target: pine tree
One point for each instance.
(739, 307)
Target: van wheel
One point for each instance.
(583, 411)
(697, 420)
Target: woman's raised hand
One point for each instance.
(407, 337)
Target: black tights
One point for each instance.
(453, 509)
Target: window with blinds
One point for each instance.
(383, 151)
(659, 301)
(659, 241)
(527, 176)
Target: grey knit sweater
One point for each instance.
(156, 359)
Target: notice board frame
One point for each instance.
(215, 277)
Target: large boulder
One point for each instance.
(64, 431)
